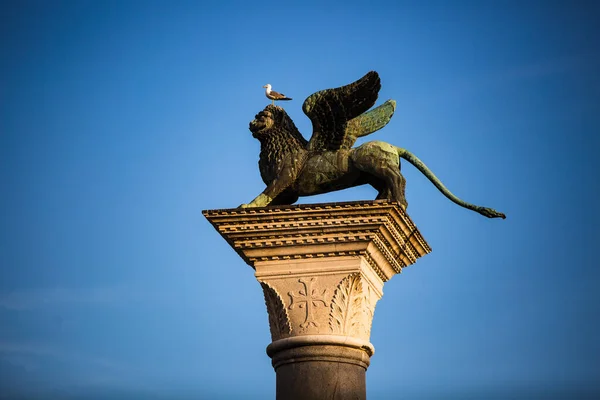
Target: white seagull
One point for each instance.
(273, 95)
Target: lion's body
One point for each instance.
(291, 168)
(342, 169)
(326, 172)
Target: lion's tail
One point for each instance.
(414, 160)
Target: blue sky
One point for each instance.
(121, 121)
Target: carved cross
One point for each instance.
(307, 298)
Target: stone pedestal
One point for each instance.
(322, 268)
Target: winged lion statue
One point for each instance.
(291, 167)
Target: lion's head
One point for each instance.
(274, 123)
(262, 123)
(278, 136)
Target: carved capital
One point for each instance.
(279, 321)
(378, 231)
(352, 308)
(322, 268)
(321, 301)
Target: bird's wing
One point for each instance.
(330, 111)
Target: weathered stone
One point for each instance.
(291, 166)
(322, 268)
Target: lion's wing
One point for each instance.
(369, 122)
(330, 110)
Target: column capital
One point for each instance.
(380, 231)
(322, 268)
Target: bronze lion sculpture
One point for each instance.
(292, 167)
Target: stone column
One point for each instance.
(322, 268)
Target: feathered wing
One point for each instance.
(330, 111)
(368, 123)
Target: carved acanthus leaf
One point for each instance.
(368, 310)
(279, 321)
(347, 306)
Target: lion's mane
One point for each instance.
(280, 139)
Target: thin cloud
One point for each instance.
(44, 350)
(44, 297)
(130, 293)
(91, 370)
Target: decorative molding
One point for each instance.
(322, 230)
(279, 320)
(369, 310)
(295, 239)
(309, 255)
(375, 267)
(406, 245)
(395, 261)
(346, 317)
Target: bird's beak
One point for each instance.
(265, 86)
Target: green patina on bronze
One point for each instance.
(291, 167)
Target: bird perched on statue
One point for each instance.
(273, 95)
